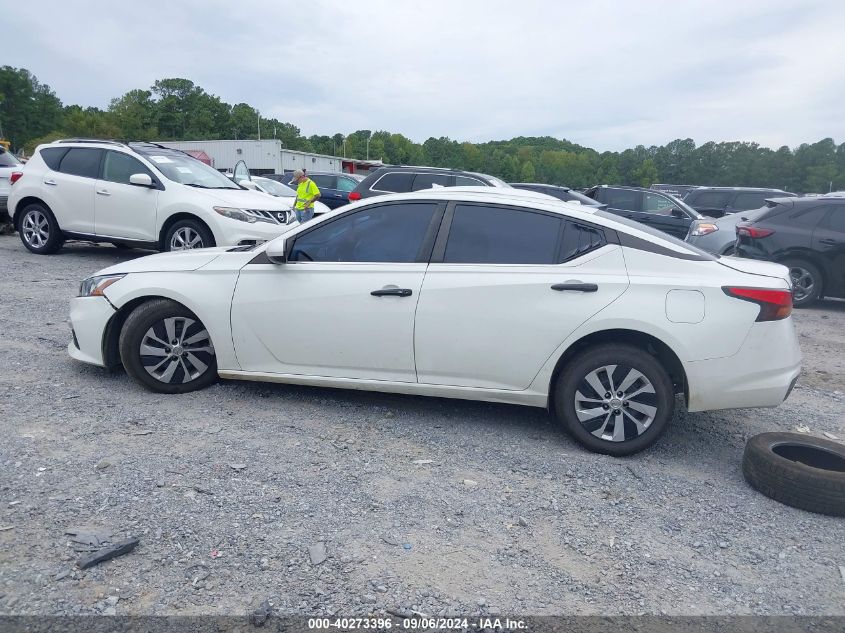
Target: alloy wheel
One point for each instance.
(176, 350)
(185, 238)
(35, 228)
(803, 283)
(616, 403)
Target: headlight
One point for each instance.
(704, 228)
(94, 286)
(240, 214)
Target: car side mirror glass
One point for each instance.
(277, 251)
(141, 180)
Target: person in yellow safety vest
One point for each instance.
(307, 194)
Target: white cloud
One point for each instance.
(604, 74)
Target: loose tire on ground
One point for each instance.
(596, 428)
(798, 470)
(161, 336)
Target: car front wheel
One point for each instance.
(186, 235)
(614, 399)
(167, 349)
(39, 231)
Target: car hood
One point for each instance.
(755, 267)
(245, 199)
(179, 261)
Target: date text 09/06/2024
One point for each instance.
(419, 624)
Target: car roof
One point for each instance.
(447, 170)
(538, 184)
(752, 189)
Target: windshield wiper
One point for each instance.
(193, 184)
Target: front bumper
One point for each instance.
(89, 317)
(761, 374)
(235, 233)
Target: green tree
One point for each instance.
(646, 174)
(28, 109)
(527, 172)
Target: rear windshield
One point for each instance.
(656, 233)
(7, 159)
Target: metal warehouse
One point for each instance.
(268, 157)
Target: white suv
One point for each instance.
(135, 194)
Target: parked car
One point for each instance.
(716, 202)
(277, 189)
(718, 235)
(335, 188)
(653, 208)
(9, 163)
(561, 193)
(805, 234)
(498, 295)
(404, 179)
(136, 194)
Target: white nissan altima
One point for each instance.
(475, 293)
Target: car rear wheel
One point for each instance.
(39, 231)
(806, 282)
(167, 349)
(614, 399)
(186, 235)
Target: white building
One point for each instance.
(269, 157)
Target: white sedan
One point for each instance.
(477, 293)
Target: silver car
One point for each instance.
(718, 236)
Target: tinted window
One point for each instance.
(578, 240)
(119, 167)
(324, 182)
(384, 233)
(750, 200)
(427, 181)
(623, 199)
(397, 181)
(495, 235)
(466, 181)
(655, 203)
(81, 161)
(52, 156)
(710, 199)
(837, 219)
(7, 159)
(806, 218)
(346, 184)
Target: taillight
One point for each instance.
(353, 196)
(774, 304)
(15, 176)
(746, 230)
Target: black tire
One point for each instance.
(39, 231)
(573, 382)
(810, 279)
(729, 250)
(151, 370)
(815, 483)
(187, 225)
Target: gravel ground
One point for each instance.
(240, 491)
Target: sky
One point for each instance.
(604, 74)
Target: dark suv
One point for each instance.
(654, 208)
(805, 234)
(404, 179)
(561, 193)
(719, 201)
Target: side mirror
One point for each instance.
(248, 184)
(677, 213)
(141, 180)
(277, 250)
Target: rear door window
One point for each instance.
(52, 156)
(482, 234)
(324, 181)
(345, 184)
(427, 181)
(657, 204)
(836, 220)
(82, 161)
(394, 182)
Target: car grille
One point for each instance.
(279, 217)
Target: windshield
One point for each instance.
(7, 159)
(188, 170)
(274, 188)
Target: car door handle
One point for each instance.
(52, 183)
(392, 292)
(103, 192)
(577, 286)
